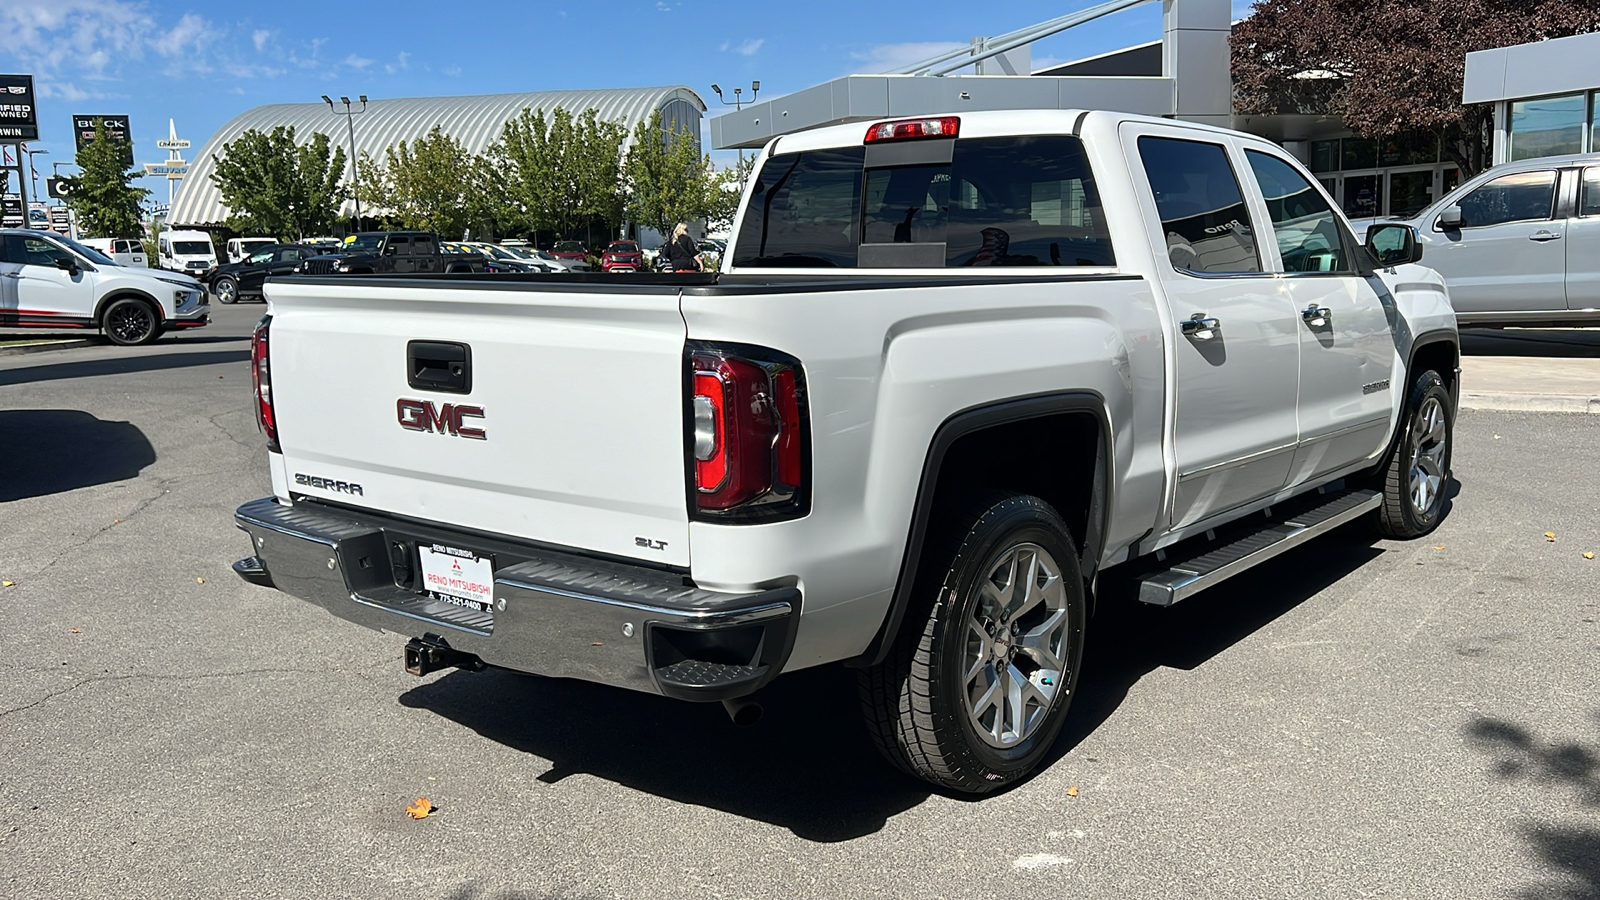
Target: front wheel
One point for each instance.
(972, 695)
(129, 322)
(227, 290)
(1419, 467)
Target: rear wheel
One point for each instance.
(972, 696)
(1419, 468)
(227, 290)
(130, 322)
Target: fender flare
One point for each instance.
(119, 293)
(961, 424)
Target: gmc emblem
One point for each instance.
(422, 415)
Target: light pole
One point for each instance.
(350, 126)
(34, 173)
(738, 104)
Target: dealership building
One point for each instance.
(1545, 96)
(475, 121)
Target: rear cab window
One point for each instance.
(1203, 214)
(934, 203)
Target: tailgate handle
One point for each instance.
(441, 366)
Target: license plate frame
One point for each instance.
(459, 577)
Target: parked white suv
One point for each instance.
(48, 281)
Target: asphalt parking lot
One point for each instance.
(1359, 718)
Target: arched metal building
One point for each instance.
(474, 121)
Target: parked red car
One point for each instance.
(569, 250)
(622, 256)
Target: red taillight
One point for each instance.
(748, 439)
(912, 129)
(261, 380)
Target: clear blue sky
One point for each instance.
(203, 64)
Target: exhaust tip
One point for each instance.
(743, 712)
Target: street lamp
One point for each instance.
(349, 121)
(738, 101)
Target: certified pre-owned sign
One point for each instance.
(19, 121)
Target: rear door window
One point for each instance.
(422, 245)
(399, 245)
(1202, 209)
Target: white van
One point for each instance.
(239, 248)
(189, 252)
(123, 251)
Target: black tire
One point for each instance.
(920, 702)
(129, 322)
(227, 290)
(1418, 471)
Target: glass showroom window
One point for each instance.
(1549, 126)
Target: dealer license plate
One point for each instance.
(458, 576)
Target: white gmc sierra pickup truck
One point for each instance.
(955, 375)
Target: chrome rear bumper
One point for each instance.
(563, 616)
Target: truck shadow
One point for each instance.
(1569, 852)
(124, 365)
(50, 451)
(808, 766)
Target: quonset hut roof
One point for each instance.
(474, 121)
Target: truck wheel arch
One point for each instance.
(1440, 351)
(1083, 489)
(114, 296)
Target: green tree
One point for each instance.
(428, 184)
(275, 187)
(1388, 66)
(669, 180)
(101, 196)
(559, 173)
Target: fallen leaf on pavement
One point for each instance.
(421, 809)
(76, 631)
(1550, 536)
(199, 581)
(1588, 554)
(1440, 547)
(1072, 791)
(7, 583)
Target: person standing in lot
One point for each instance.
(681, 252)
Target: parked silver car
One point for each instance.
(1520, 243)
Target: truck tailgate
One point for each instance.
(581, 396)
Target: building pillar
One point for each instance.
(1196, 57)
(1500, 148)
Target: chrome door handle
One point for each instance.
(1200, 327)
(1543, 235)
(1316, 316)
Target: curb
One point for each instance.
(1565, 403)
(65, 344)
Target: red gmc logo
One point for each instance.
(422, 415)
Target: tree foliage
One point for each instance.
(670, 181)
(101, 196)
(557, 173)
(1388, 66)
(275, 187)
(427, 185)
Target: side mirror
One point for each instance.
(1395, 243)
(67, 264)
(1450, 219)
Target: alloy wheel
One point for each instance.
(1016, 645)
(1429, 439)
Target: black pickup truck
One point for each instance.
(391, 252)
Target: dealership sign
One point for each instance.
(55, 188)
(113, 127)
(19, 120)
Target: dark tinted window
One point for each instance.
(289, 254)
(30, 251)
(1591, 191)
(1027, 201)
(1202, 209)
(803, 210)
(1304, 225)
(422, 245)
(399, 243)
(1510, 198)
(191, 248)
(259, 258)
